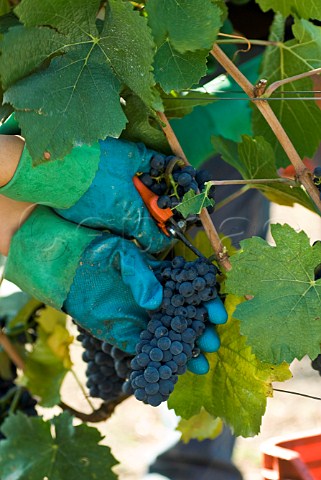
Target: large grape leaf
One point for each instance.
(236, 386)
(35, 449)
(300, 118)
(255, 158)
(49, 361)
(283, 320)
(303, 8)
(180, 59)
(76, 99)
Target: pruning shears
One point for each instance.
(164, 216)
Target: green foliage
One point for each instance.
(303, 8)
(86, 66)
(49, 360)
(236, 386)
(35, 449)
(300, 118)
(282, 322)
(180, 59)
(200, 427)
(193, 203)
(254, 158)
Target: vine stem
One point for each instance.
(210, 230)
(302, 173)
(253, 181)
(231, 197)
(11, 351)
(83, 391)
(279, 83)
(102, 413)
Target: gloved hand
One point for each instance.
(91, 186)
(103, 281)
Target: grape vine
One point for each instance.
(76, 72)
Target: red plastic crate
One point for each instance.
(292, 457)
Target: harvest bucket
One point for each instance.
(292, 457)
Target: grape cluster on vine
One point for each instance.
(107, 367)
(170, 339)
(170, 179)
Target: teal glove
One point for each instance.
(92, 186)
(105, 282)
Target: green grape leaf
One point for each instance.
(303, 8)
(237, 385)
(300, 118)
(49, 360)
(179, 104)
(143, 125)
(200, 427)
(193, 203)
(85, 76)
(181, 21)
(283, 320)
(4, 7)
(36, 449)
(180, 59)
(255, 158)
(177, 71)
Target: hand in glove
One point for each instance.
(91, 186)
(105, 282)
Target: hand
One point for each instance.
(105, 282)
(92, 186)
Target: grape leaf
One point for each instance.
(254, 158)
(193, 203)
(36, 449)
(181, 21)
(4, 7)
(177, 71)
(177, 105)
(302, 8)
(143, 125)
(49, 360)
(180, 59)
(283, 320)
(301, 119)
(236, 387)
(200, 427)
(85, 75)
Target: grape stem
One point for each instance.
(11, 351)
(102, 413)
(231, 197)
(302, 172)
(284, 81)
(210, 230)
(83, 391)
(253, 181)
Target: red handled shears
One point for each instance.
(164, 216)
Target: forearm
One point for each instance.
(12, 215)
(11, 147)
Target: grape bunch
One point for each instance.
(316, 364)
(170, 179)
(25, 403)
(107, 367)
(170, 339)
